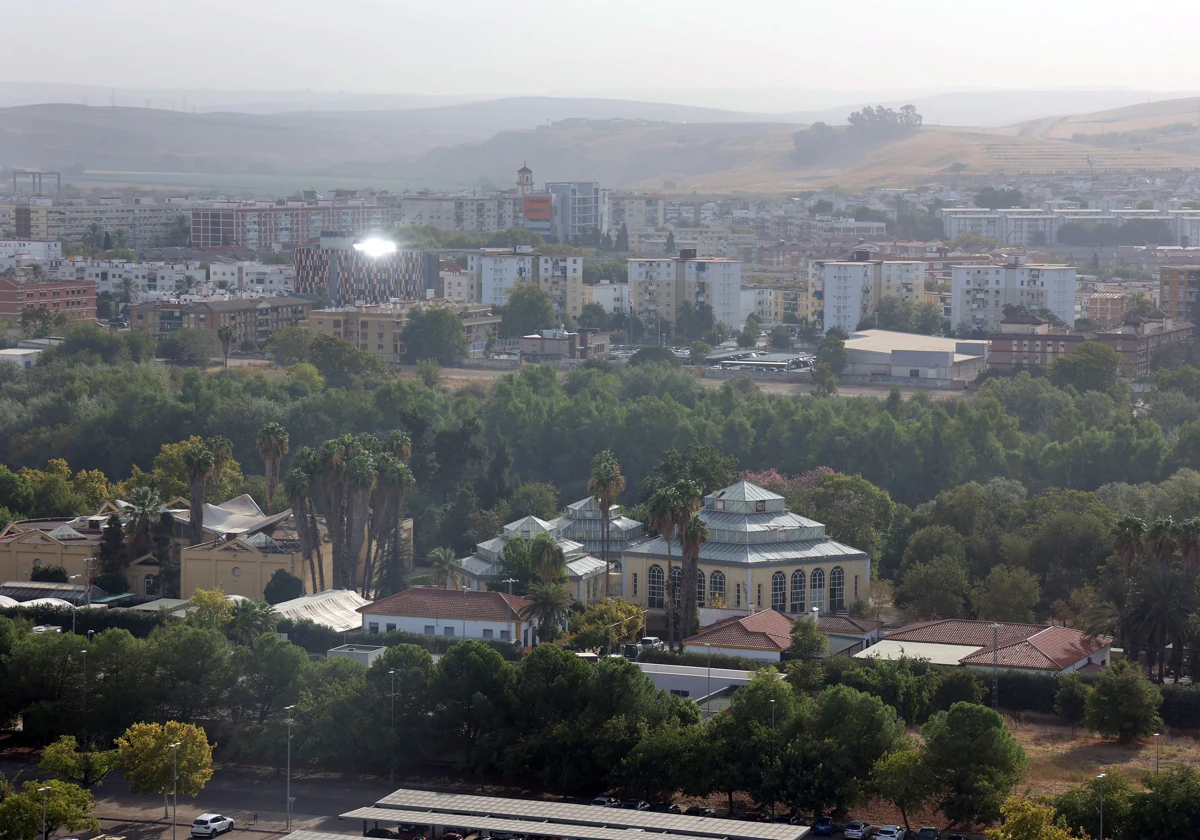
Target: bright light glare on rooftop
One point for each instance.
(375, 247)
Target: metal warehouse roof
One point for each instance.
(526, 827)
(586, 822)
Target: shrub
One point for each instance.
(315, 638)
(138, 623)
(49, 574)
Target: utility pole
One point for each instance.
(288, 709)
(391, 763)
(772, 755)
(708, 687)
(83, 716)
(42, 791)
(174, 784)
(1101, 778)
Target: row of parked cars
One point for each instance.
(859, 830)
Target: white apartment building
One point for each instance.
(254, 279)
(979, 293)
(40, 249)
(458, 286)
(637, 211)
(143, 222)
(562, 279)
(613, 297)
(659, 285)
(1035, 227)
(471, 213)
(578, 208)
(853, 289)
(496, 272)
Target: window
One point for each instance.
(760, 507)
(391, 628)
(797, 602)
(447, 631)
(676, 585)
(506, 635)
(635, 583)
(373, 627)
(487, 634)
(655, 589)
(680, 692)
(837, 590)
(717, 588)
(817, 585)
(699, 588)
(429, 630)
(738, 602)
(151, 585)
(914, 373)
(778, 591)
(856, 587)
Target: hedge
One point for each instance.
(138, 622)
(316, 638)
(701, 660)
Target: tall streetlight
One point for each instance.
(174, 783)
(83, 720)
(1101, 778)
(391, 752)
(1157, 754)
(288, 709)
(74, 606)
(772, 754)
(510, 582)
(42, 791)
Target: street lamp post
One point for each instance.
(1101, 778)
(83, 716)
(42, 791)
(174, 784)
(772, 755)
(288, 709)
(391, 763)
(1157, 754)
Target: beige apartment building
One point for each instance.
(378, 328)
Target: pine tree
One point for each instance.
(671, 242)
(113, 555)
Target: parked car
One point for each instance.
(385, 833)
(857, 830)
(928, 832)
(700, 811)
(822, 827)
(652, 643)
(890, 832)
(604, 801)
(210, 825)
(666, 808)
(635, 805)
(452, 835)
(955, 837)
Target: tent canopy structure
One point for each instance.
(336, 609)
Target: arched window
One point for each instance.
(676, 585)
(151, 585)
(797, 605)
(817, 585)
(716, 586)
(778, 591)
(699, 588)
(654, 592)
(837, 590)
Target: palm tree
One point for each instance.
(251, 619)
(121, 238)
(1127, 534)
(186, 284)
(1160, 612)
(606, 483)
(548, 604)
(272, 442)
(546, 555)
(143, 511)
(1160, 539)
(393, 480)
(226, 333)
(1187, 537)
(296, 486)
(93, 237)
(127, 292)
(198, 459)
(398, 444)
(446, 566)
(691, 540)
(305, 460)
(329, 473)
(661, 510)
(360, 481)
(224, 285)
(222, 450)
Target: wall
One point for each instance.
(745, 653)
(697, 682)
(473, 629)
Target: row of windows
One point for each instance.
(782, 600)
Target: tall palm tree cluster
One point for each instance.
(672, 513)
(606, 483)
(362, 482)
(1157, 605)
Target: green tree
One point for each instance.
(548, 604)
(933, 590)
(151, 766)
(855, 511)
(607, 624)
(973, 760)
(341, 361)
(824, 380)
(49, 574)
(748, 337)
(1025, 819)
(1079, 807)
(269, 675)
(1169, 808)
(282, 586)
(832, 352)
(526, 310)
(445, 566)
(435, 333)
(606, 483)
(250, 619)
(930, 542)
(781, 339)
(209, 609)
(226, 334)
(700, 352)
(189, 346)
(273, 443)
(654, 354)
(1009, 593)
(903, 779)
(534, 498)
(84, 767)
(198, 460)
(289, 345)
(1123, 704)
(1093, 366)
(63, 805)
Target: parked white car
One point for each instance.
(210, 825)
(890, 832)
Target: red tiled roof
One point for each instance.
(766, 630)
(1052, 649)
(433, 602)
(956, 631)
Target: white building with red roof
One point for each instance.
(982, 644)
(767, 635)
(468, 613)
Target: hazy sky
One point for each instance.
(542, 46)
